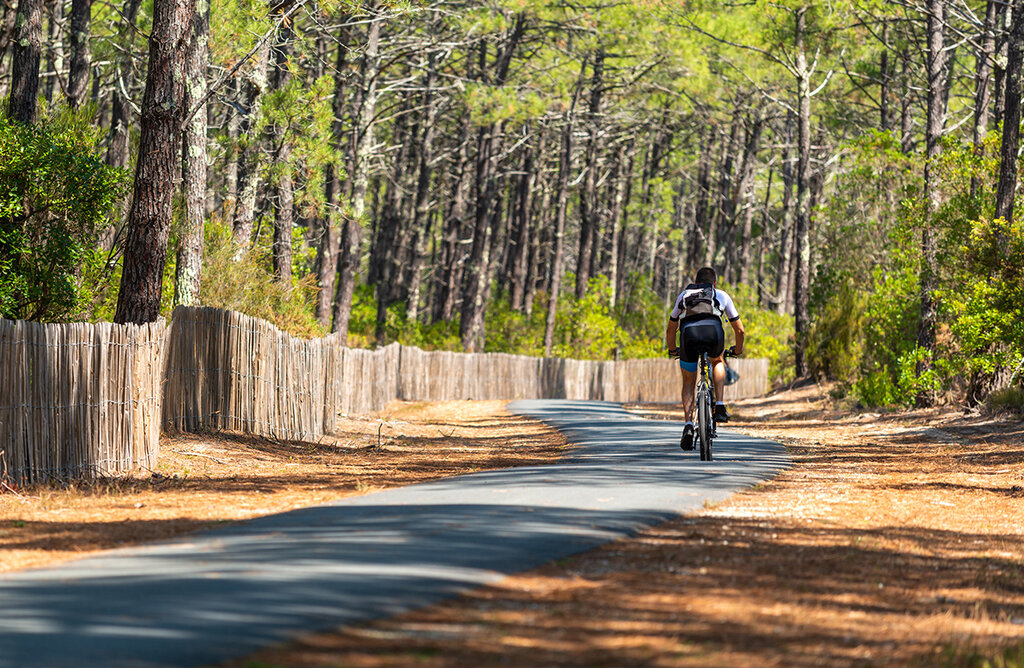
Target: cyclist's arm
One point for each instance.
(670, 334)
(737, 328)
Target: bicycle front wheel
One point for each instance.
(704, 425)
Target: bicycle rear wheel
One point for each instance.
(704, 426)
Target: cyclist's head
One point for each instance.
(706, 275)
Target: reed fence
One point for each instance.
(78, 400)
(85, 399)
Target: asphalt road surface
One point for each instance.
(222, 593)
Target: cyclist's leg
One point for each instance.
(688, 366)
(689, 382)
(718, 377)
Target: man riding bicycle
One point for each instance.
(697, 316)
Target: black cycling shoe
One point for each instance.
(687, 441)
(721, 415)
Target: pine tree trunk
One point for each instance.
(623, 175)
(25, 61)
(783, 286)
(421, 211)
(1009, 150)
(78, 76)
(254, 84)
(982, 85)
(278, 134)
(327, 236)
(936, 61)
(158, 165)
(588, 199)
(746, 189)
(521, 248)
(558, 256)
(803, 218)
(189, 265)
(362, 139)
(7, 30)
(121, 118)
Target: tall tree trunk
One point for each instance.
(746, 191)
(623, 176)
(421, 212)
(254, 84)
(723, 218)
(54, 49)
(121, 118)
(698, 251)
(158, 165)
(7, 30)
(361, 147)
(1009, 150)
(474, 304)
(284, 215)
(589, 208)
(982, 85)
(561, 202)
(936, 60)
(521, 248)
(327, 234)
(783, 286)
(803, 217)
(78, 76)
(450, 277)
(189, 266)
(25, 61)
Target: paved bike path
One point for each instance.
(219, 594)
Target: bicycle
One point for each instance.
(704, 403)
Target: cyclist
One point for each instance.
(699, 309)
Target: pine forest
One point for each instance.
(538, 178)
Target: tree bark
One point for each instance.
(561, 202)
(421, 212)
(254, 84)
(474, 304)
(521, 247)
(361, 145)
(78, 75)
(25, 61)
(189, 265)
(284, 219)
(121, 114)
(783, 286)
(982, 85)
(803, 219)
(589, 208)
(327, 235)
(936, 61)
(1009, 150)
(7, 30)
(746, 191)
(159, 164)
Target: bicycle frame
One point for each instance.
(704, 404)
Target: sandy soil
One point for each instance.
(895, 540)
(204, 480)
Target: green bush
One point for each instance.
(56, 194)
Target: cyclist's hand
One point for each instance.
(673, 353)
(731, 352)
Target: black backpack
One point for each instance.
(700, 301)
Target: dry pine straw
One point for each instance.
(895, 540)
(203, 480)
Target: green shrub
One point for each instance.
(55, 196)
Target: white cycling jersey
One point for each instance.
(724, 302)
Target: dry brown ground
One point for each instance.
(895, 540)
(203, 480)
